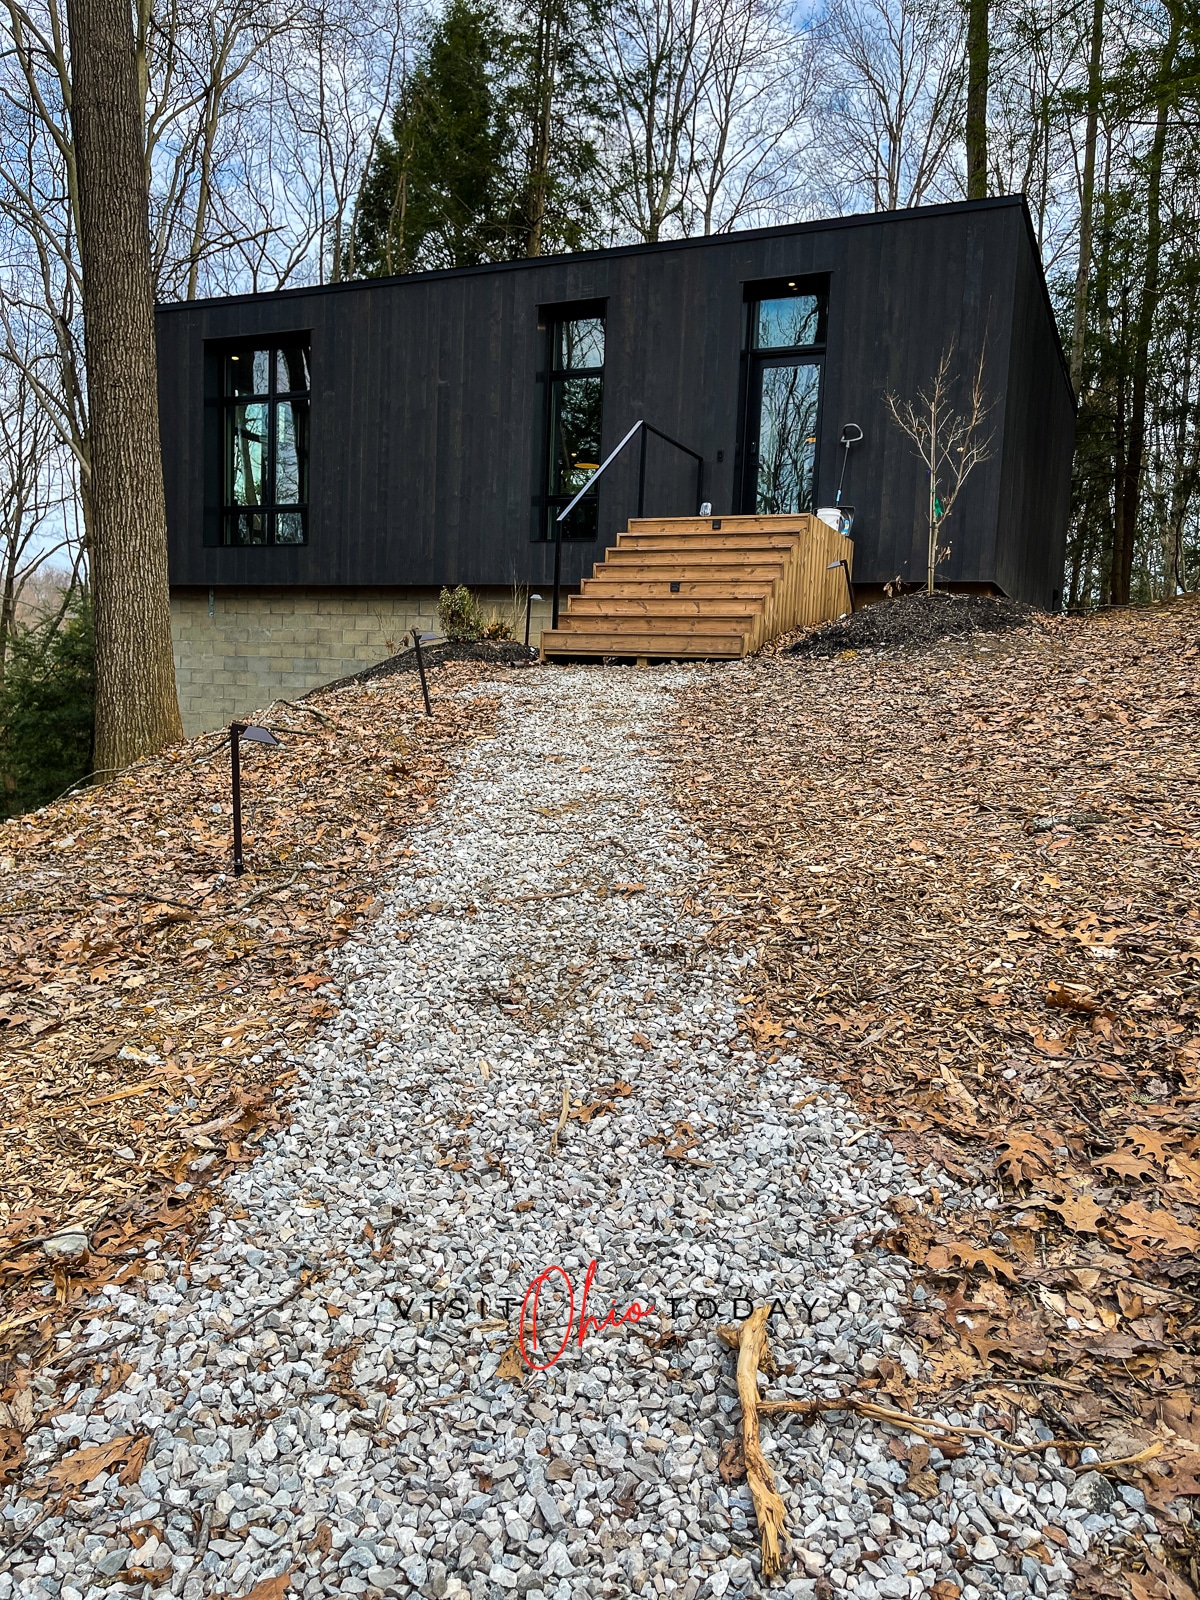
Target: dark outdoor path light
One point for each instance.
(417, 636)
(237, 732)
(529, 599)
(845, 566)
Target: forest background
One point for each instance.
(292, 142)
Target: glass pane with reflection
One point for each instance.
(291, 452)
(246, 527)
(584, 521)
(782, 324)
(289, 527)
(787, 439)
(247, 372)
(577, 432)
(247, 454)
(580, 344)
(291, 370)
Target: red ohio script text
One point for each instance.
(558, 1277)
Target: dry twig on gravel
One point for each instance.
(749, 1339)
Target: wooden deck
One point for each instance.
(701, 587)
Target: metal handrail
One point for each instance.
(643, 428)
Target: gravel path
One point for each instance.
(360, 1435)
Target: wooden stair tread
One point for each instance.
(661, 605)
(631, 587)
(625, 643)
(775, 524)
(694, 561)
(674, 625)
(706, 541)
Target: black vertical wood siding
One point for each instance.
(426, 409)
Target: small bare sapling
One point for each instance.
(951, 443)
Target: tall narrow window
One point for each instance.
(265, 431)
(786, 328)
(575, 410)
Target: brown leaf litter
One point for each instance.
(970, 874)
(142, 985)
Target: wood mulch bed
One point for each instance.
(148, 997)
(971, 872)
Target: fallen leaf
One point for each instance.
(923, 1483)
(511, 1366)
(12, 1454)
(79, 1468)
(1126, 1164)
(731, 1464)
(958, 1253)
(1071, 997)
(1079, 1212)
(269, 1588)
(1155, 1229)
(1024, 1156)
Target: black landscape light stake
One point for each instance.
(845, 566)
(237, 732)
(416, 639)
(529, 599)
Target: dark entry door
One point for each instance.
(781, 434)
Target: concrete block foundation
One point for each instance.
(238, 649)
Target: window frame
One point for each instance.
(756, 357)
(270, 508)
(582, 527)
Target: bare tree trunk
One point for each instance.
(549, 28)
(137, 710)
(1131, 489)
(977, 98)
(1082, 557)
(8, 607)
(1087, 200)
(202, 195)
(214, 92)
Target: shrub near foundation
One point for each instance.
(459, 615)
(497, 626)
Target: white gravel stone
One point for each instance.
(321, 1381)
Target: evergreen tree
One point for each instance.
(439, 191)
(46, 711)
(491, 154)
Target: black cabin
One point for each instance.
(401, 434)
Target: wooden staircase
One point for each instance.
(704, 587)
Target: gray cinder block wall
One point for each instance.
(236, 650)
